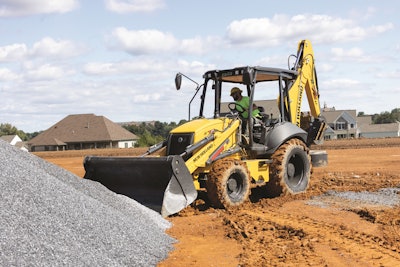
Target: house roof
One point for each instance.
(365, 119)
(379, 128)
(332, 115)
(21, 145)
(8, 138)
(82, 128)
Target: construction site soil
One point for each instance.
(349, 216)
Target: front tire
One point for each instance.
(290, 169)
(228, 183)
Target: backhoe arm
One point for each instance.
(306, 80)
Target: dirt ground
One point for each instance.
(315, 228)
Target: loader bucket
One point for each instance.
(163, 184)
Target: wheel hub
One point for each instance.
(232, 185)
(290, 170)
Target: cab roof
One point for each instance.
(235, 75)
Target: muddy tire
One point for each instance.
(290, 170)
(228, 183)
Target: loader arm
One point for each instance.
(183, 185)
(223, 141)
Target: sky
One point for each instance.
(119, 58)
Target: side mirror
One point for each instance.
(178, 81)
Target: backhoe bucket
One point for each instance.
(163, 184)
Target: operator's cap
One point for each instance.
(235, 90)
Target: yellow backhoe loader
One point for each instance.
(226, 155)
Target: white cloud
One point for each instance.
(11, 8)
(342, 83)
(392, 74)
(13, 52)
(143, 41)
(192, 46)
(45, 72)
(7, 75)
(99, 68)
(319, 28)
(199, 45)
(325, 67)
(129, 6)
(347, 93)
(48, 47)
(140, 98)
(354, 54)
(249, 31)
(140, 66)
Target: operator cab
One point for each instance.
(256, 83)
(266, 134)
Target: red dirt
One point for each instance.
(290, 230)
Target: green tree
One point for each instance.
(386, 117)
(151, 133)
(147, 139)
(396, 114)
(9, 129)
(29, 136)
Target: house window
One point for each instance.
(340, 126)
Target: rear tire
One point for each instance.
(228, 183)
(290, 170)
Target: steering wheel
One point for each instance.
(232, 107)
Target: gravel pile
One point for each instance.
(50, 217)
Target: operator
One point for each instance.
(244, 102)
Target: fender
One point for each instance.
(280, 133)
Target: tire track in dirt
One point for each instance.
(300, 237)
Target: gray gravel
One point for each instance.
(385, 197)
(50, 217)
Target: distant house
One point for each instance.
(83, 131)
(14, 140)
(380, 130)
(340, 124)
(346, 124)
